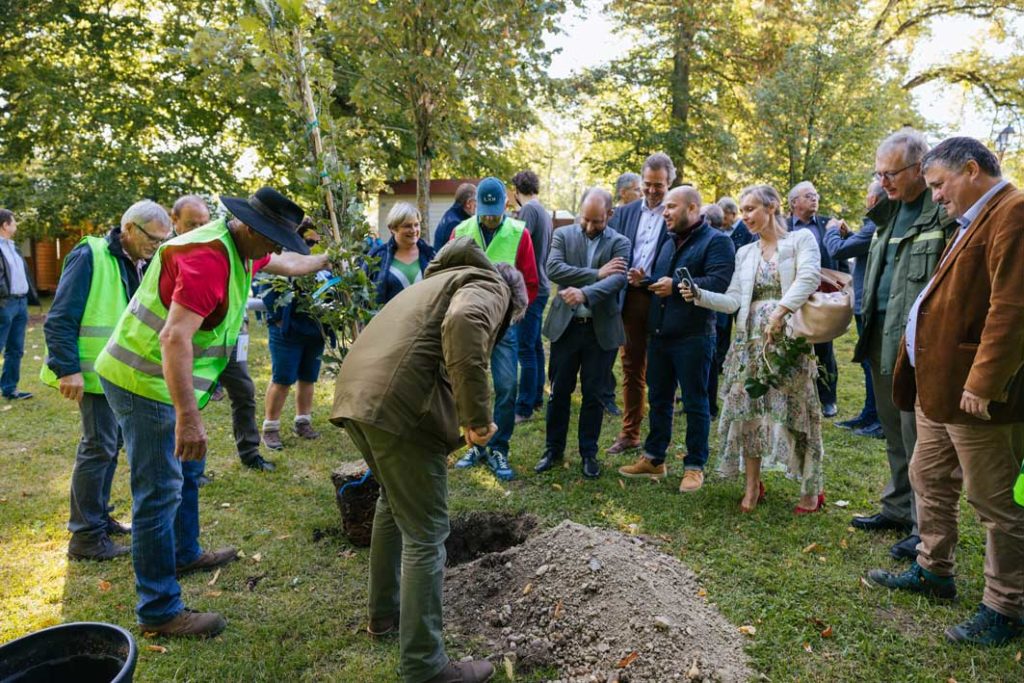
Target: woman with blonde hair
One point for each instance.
(404, 257)
(774, 276)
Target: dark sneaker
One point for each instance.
(304, 430)
(916, 580)
(475, 671)
(497, 461)
(829, 410)
(622, 446)
(986, 627)
(202, 480)
(259, 464)
(96, 550)
(906, 549)
(209, 560)
(591, 468)
(18, 396)
(272, 439)
(474, 456)
(549, 460)
(855, 423)
(116, 528)
(612, 410)
(871, 431)
(188, 623)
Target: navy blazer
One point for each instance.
(711, 259)
(626, 220)
(741, 235)
(818, 230)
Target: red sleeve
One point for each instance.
(260, 263)
(196, 277)
(526, 263)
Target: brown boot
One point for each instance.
(304, 430)
(643, 468)
(188, 623)
(272, 439)
(475, 671)
(209, 560)
(621, 446)
(383, 627)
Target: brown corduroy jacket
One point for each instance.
(970, 327)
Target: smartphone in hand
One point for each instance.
(683, 275)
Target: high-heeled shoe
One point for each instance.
(806, 511)
(761, 495)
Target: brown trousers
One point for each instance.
(635, 308)
(985, 459)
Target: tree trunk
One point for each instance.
(423, 190)
(679, 131)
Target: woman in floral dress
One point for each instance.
(774, 276)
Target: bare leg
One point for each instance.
(752, 493)
(276, 396)
(303, 398)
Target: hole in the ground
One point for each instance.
(478, 533)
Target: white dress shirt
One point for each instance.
(648, 232)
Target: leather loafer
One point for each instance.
(210, 559)
(906, 549)
(547, 462)
(879, 522)
(591, 468)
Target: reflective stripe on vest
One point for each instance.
(133, 359)
(106, 301)
(504, 245)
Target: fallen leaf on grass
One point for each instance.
(701, 593)
(216, 575)
(811, 548)
(347, 553)
(257, 557)
(841, 503)
(156, 648)
(557, 487)
(558, 610)
(950, 680)
(628, 659)
(748, 630)
(149, 634)
(1017, 658)
(694, 672)
(104, 585)
(808, 648)
(212, 594)
(527, 588)
(622, 484)
(510, 671)
(843, 544)
(225, 505)
(5, 408)
(827, 633)
(864, 582)
(282, 537)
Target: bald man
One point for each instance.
(681, 341)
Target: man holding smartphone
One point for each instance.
(681, 337)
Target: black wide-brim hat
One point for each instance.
(272, 215)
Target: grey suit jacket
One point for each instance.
(567, 267)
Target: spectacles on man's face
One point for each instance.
(156, 241)
(891, 175)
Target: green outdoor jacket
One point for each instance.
(917, 257)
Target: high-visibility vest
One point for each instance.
(505, 243)
(1018, 488)
(107, 300)
(132, 358)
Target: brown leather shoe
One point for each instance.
(475, 671)
(692, 481)
(209, 560)
(622, 446)
(644, 468)
(304, 430)
(188, 623)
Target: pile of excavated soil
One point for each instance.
(593, 605)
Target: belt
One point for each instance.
(582, 321)
(14, 296)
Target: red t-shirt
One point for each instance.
(196, 277)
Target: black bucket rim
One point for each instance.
(133, 649)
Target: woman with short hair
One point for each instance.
(774, 277)
(404, 257)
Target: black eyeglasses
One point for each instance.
(153, 240)
(891, 175)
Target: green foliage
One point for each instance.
(782, 358)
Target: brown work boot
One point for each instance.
(643, 468)
(188, 622)
(304, 430)
(621, 446)
(474, 671)
(692, 481)
(209, 560)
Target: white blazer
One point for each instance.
(799, 263)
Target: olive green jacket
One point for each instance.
(917, 257)
(419, 369)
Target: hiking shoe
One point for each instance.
(209, 560)
(383, 627)
(116, 528)
(906, 549)
(304, 430)
(986, 627)
(18, 396)
(622, 446)
(473, 456)
(272, 439)
(259, 464)
(474, 671)
(855, 423)
(643, 468)
(692, 481)
(188, 622)
(871, 431)
(498, 462)
(96, 550)
(917, 579)
(829, 410)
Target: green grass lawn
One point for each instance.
(303, 618)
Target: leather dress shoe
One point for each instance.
(591, 468)
(115, 527)
(548, 461)
(829, 410)
(906, 549)
(879, 522)
(259, 464)
(871, 431)
(97, 550)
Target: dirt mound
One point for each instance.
(593, 605)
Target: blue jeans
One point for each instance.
(869, 413)
(503, 375)
(685, 362)
(531, 356)
(13, 321)
(165, 503)
(95, 464)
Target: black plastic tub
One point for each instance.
(83, 652)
